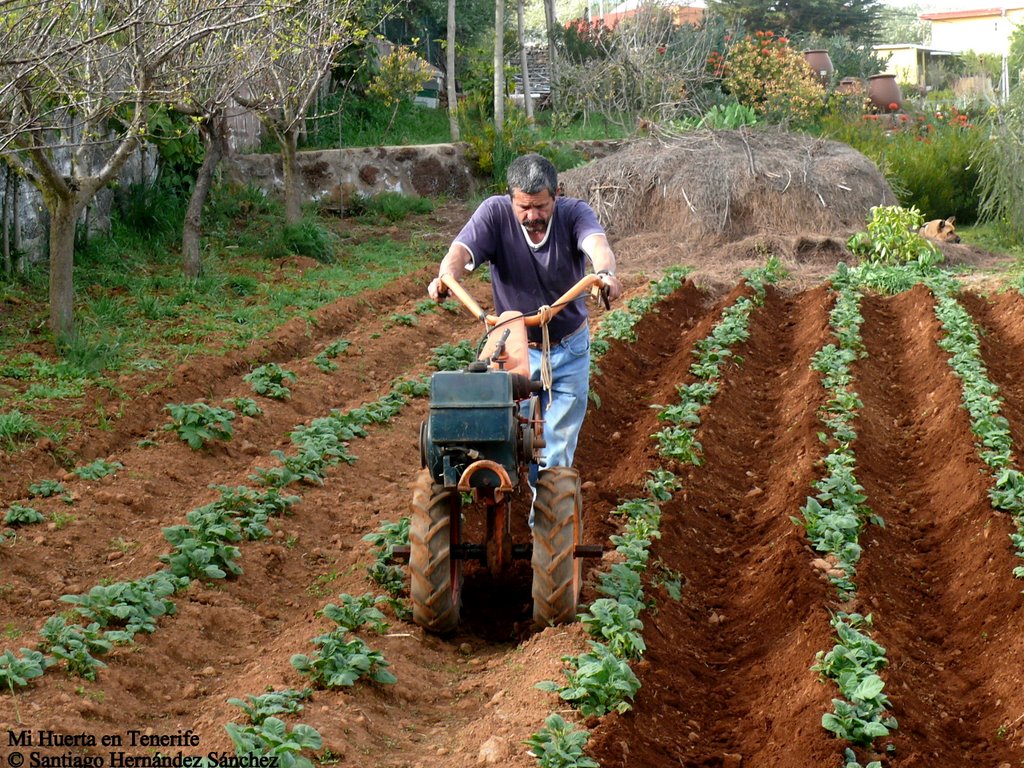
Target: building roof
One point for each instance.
(975, 14)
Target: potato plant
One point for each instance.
(16, 671)
(199, 423)
(833, 519)
(98, 469)
(271, 738)
(340, 662)
(271, 380)
(598, 682)
(75, 645)
(558, 745)
(271, 703)
(45, 489)
(19, 514)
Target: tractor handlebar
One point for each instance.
(585, 284)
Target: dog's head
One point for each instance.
(941, 230)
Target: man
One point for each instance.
(538, 245)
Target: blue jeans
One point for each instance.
(570, 387)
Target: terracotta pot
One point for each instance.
(821, 63)
(850, 85)
(884, 93)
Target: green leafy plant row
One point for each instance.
(834, 517)
(982, 401)
(833, 520)
(204, 547)
(602, 681)
(620, 324)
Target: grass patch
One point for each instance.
(136, 312)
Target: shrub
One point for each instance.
(1001, 167)
(763, 72)
(892, 237)
(928, 159)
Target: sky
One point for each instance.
(948, 5)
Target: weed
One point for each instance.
(16, 428)
(387, 207)
(307, 238)
(61, 519)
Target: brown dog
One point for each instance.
(940, 230)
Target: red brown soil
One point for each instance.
(726, 680)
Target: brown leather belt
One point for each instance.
(538, 345)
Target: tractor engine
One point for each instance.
(483, 417)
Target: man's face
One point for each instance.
(533, 211)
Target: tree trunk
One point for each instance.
(5, 221)
(499, 67)
(524, 63)
(453, 97)
(63, 214)
(292, 191)
(552, 24)
(212, 132)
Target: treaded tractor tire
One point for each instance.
(436, 588)
(557, 529)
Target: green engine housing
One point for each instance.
(479, 413)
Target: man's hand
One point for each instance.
(612, 284)
(437, 290)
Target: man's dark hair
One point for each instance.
(531, 173)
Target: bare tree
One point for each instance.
(453, 97)
(77, 78)
(295, 52)
(202, 85)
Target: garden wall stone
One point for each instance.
(333, 176)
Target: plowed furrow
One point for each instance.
(937, 578)
(726, 674)
(1000, 320)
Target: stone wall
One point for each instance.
(333, 176)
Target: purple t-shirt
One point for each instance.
(525, 277)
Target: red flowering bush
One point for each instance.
(764, 73)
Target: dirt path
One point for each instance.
(937, 577)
